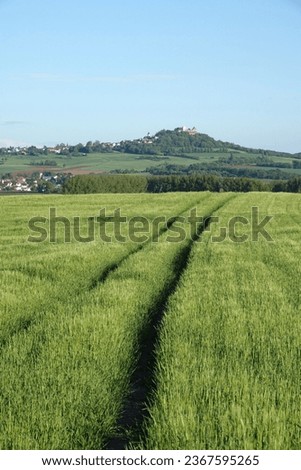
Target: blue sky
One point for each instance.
(79, 70)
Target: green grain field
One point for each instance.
(171, 341)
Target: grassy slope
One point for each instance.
(95, 162)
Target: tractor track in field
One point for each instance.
(101, 279)
(131, 424)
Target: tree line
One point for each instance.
(86, 184)
(217, 169)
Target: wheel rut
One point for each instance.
(143, 385)
(101, 279)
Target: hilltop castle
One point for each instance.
(189, 131)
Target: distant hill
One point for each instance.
(182, 151)
(183, 141)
